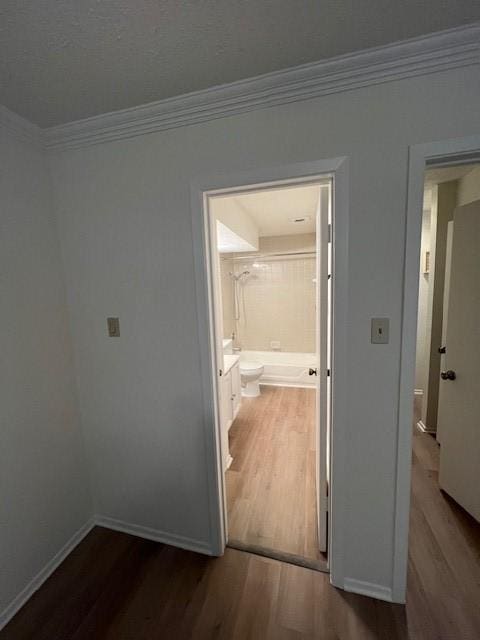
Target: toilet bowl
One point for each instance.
(250, 372)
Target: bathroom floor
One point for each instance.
(271, 481)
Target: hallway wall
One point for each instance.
(124, 214)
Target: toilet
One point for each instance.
(250, 372)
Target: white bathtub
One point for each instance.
(283, 368)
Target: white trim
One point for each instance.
(431, 53)
(378, 591)
(19, 127)
(295, 385)
(173, 539)
(301, 172)
(435, 153)
(421, 426)
(27, 592)
(418, 392)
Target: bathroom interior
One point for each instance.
(265, 264)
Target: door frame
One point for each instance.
(420, 157)
(201, 188)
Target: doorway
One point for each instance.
(445, 504)
(447, 367)
(270, 266)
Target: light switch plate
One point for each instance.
(113, 325)
(380, 330)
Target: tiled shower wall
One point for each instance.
(227, 265)
(277, 302)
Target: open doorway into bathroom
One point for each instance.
(270, 261)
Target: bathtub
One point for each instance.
(282, 368)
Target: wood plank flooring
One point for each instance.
(444, 554)
(271, 481)
(117, 587)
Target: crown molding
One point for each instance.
(435, 52)
(20, 128)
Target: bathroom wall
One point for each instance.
(277, 299)
(227, 267)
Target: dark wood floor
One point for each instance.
(271, 481)
(117, 587)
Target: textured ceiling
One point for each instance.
(65, 60)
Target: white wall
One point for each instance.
(125, 221)
(227, 266)
(469, 187)
(44, 494)
(423, 288)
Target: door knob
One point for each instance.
(312, 372)
(442, 350)
(448, 375)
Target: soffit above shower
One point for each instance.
(280, 212)
(230, 242)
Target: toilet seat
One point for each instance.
(250, 365)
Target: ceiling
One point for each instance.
(445, 174)
(274, 210)
(63, 61)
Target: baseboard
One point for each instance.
(369, 589)
(418, 392)
(109, 523)
(421, 427)
(191, 544)
(267, 383)
(281, 556)
(17, 603)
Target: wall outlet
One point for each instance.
(275, 345)
(380, 330)
(113, 325)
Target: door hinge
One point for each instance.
(328, 373)
(329, 233)
(220, 372)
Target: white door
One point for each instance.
(446, 297)
(460, 447)
(322, 364)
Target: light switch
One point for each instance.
(113, 325)
(380, 333)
